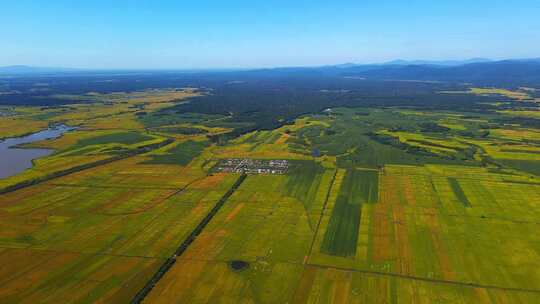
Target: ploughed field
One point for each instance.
(365, 205)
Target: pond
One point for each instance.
(14, 160)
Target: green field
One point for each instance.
(458, 192)
(181, 154)
(357, 187)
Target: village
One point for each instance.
(252, 166)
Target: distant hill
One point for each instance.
(402, 62)
(437, 62)
(504, 73)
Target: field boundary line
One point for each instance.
(84, 253)
(438, 175)
(315, 233)
(377, 273)
(439, 281)
(169, 262)
(323, 209)
(483, 217)
(111, 187)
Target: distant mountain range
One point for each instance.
(505, 72)
(437, 62)
(515, 72)
(419, 62)
(477, 70)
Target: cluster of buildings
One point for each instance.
(252, 166)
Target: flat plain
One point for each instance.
(379, 205)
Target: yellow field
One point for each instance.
(90, 235)
(12, 127)
(518, 95)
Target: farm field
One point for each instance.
(376, 205)
(99, 234)
(265, 223)
(420, 228)
(412, 238)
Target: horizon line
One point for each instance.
(247, 68)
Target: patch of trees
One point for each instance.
(431, 127)
(522, 121)
(396, 143)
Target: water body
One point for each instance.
(14, 160)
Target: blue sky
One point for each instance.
(234, 33)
